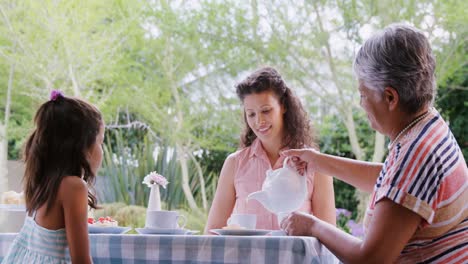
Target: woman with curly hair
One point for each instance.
(274, 121)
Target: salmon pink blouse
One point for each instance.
(252, 164)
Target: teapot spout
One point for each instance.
(262, 197)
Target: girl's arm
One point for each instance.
(74, 196)
(323, 198)
(391, 228)
(225, 197)
(360, 174)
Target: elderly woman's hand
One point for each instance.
(298, 164)
(301, 157)
(299, 224)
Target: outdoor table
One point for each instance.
(112, 248)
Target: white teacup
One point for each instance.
(164, 219)
(248, 221)
(281, 216)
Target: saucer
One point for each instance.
(192, 232)
(108, 229)
(164, 231)
(241, 232)
(278, 233)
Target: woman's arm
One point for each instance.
(225, 197)
(323, 198)
(360, 174)
(391, 228)
(74, 196)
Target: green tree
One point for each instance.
(172, 65)
(70, 45)
(316, 49)
(453, 102)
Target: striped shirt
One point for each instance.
(426, 173)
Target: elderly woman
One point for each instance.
(418, 211)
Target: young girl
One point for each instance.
(62, 156)
(275, 120)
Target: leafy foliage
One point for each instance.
(453, 101)
(172, 65)
(334, 140)
(123, 169)
(342, 218)
(345, 197)
(125, 166)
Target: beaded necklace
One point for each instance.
(390, 145)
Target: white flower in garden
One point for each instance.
(155, 178)
(115, 160)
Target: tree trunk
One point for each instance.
(362, 197)
(76, 87)
(182, 156)
(3, 165)
(353, 139)
(348, 115)
(4, 132)
(379, 147)
(4, 137)
(3, 158)
(379, 151)
(202, 182)
(168, 65)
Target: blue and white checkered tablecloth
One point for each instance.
(107, 248)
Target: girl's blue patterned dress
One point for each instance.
(36, 244)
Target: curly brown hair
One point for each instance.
(65, 130)
(298, 131)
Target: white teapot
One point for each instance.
(283, 191)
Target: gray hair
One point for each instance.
(400, 57)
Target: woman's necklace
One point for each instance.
(390, 145)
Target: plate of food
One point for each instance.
(108, 229)
(240, 231)
(165, 231)
(106, 225)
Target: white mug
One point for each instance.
(248, 221)
(164, 219)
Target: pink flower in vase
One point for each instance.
(155, 178)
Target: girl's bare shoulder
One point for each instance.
(72, 185)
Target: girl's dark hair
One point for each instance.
(298, 132)
(65, 129)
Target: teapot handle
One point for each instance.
(285, 165)
(285, 162)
